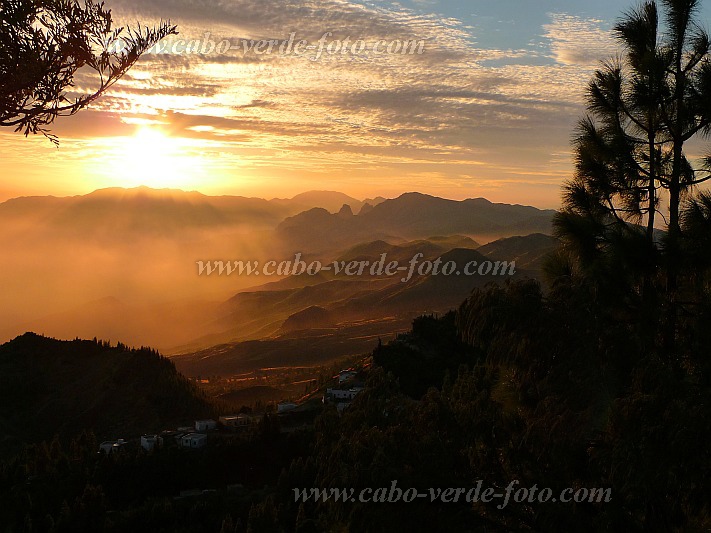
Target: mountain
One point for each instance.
(121, 263)
(529, 252)
(138, 245)
(372, 251)
(294, 349)
(50, 387)
(428, 293)
(313, 317)
(336, 318)
(411, 216)
(329, 200)
(115, 212)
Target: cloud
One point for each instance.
(456, 101)
(578, 41)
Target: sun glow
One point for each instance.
(154, 159)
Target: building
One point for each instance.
(240, 421)
(194, 440)
(205, 425)
(150, 442)
(341, 395)
(285, 407)
(111, 446)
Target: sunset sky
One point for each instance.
(487, 109)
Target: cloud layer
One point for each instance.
(458, 116)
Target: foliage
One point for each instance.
(630, 154)
(46, 45)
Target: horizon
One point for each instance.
(485, 110)
(268, 199)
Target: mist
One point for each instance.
(124, 266)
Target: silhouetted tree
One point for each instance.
(642, 110)
(44, 45)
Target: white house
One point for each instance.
(149, 442)
(342, 394)
(205, 425)
(194, 440)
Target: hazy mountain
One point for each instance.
(122, 263)
(139, 245)
(50, 387)
(115, 212)
(423, 293)
(313, 317)
(328, 320)
(454, 241)
(411, 216)
(329, 200)
(529, 252)
(371, 251)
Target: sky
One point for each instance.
(484, 107)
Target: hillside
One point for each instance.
(309, 348)
(361, 310)
(313, 317)
(50, 387)
(529, 252)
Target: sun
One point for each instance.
(154, 159)
(150, 157)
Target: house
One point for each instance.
(111, 446)
(194, 440)
(150, 442)
(240, 421)
(205, 425)
(340, 395)
(285, 407)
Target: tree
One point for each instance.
(643, 108)
(44, 44)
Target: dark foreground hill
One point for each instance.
(50, 387)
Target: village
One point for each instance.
(290, 415)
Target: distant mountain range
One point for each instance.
(311, 220)
(120, 264)
(411, 216)
(117, 213)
